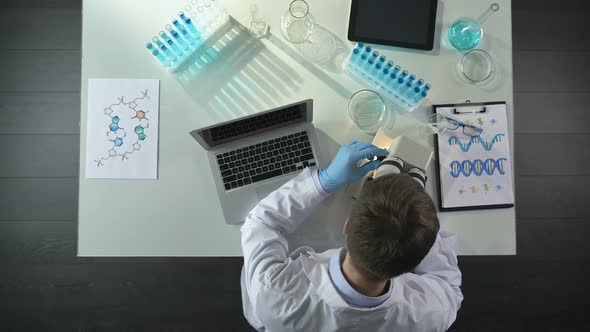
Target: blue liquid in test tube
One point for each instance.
(360, 45)
(384, 74)
(189, 23)
(405, 88)
(367, 54)
(376, 69)
(419, 83)
(403, 75)
(157, 54)
(355, 55)
(411, 79)
(395, 71)
(178, 38)
(369, 64)
(185, 34)
(412, 92)
(426, 88)
(399, 83)
(418, 98)
(372, 60)
(171, 43)
(389, 65)
(164, 49)
(362, 59)
(392, 78)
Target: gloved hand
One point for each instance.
(344, 168)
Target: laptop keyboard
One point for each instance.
(265, 160)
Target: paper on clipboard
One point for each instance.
(475, 172)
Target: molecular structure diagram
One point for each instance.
(123, 116)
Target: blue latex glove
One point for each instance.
(344, 168)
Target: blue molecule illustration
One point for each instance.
(114, 126)
(138, 130)
(118, 142)
(116, 119)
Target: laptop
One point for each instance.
(254, 155)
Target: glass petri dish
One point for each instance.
(476, 66)
(366, 108)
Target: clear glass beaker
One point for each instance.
(367, 109)
(297, 23)
(476, 66)
(465, 33)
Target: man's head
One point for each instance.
(391, 228)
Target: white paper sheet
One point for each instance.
(122, 128)
(476, 171)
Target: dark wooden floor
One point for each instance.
(43, 286)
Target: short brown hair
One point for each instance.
(392, 226)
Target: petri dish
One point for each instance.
(366, 108)
(476, 66)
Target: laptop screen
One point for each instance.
(255, 124)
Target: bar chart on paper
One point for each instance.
(122, 129)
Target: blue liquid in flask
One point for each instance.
(465, 34)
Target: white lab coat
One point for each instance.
(282, 292)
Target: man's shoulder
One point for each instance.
(295, 271)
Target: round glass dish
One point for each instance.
(476, 66)
(366, 108)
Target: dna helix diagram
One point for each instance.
(477, 167)
(465, 147)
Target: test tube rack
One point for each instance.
(184, 43)
(397, 85)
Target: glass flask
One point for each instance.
(466, 33)
(297, 23)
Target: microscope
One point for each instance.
(413, 154)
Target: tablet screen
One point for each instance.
(406, 23)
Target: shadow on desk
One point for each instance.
(234, 74)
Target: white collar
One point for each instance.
(349, 294)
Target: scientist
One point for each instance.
(397, 272)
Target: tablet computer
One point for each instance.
(401, 23)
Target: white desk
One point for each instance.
(179, 214)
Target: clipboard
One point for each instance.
(474, 173)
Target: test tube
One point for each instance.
(411, 78)
(171, 43)
(367, 54)
(157, 54)
(184, 32)
(392, 78)
(396, 70)
(384, 74)
(189, 23)
(178, 38)
(418, 98)
(399, 83)
(403, 75)
(405, 88)
(355, 55)
(370, 63)
(389, 65)
(362, 59)
(426, 87)
(372, 60)
(412, 92)
(419, 83)
(376, 69)
(164, 49)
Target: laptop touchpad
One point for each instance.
(263, 191)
